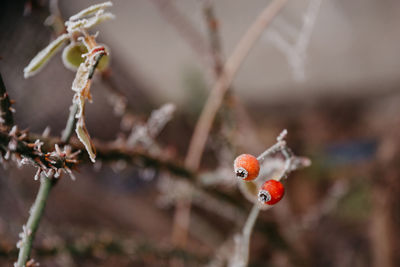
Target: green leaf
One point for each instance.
(40, 60)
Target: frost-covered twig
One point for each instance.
(335, 193)
(28, 234)
(6, 111)
(296, 52)
(36, 212)
(242, 241)
(25, 150)
(146, 133)
(13, 145)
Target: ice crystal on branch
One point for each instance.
(144, 134)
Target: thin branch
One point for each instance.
(109, 244)
(107, 152)
(241, 256)
(36, 213)
(6, 115)
(231, 67)
(69, 128)
(213, 37)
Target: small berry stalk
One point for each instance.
(270, 190)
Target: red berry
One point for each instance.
(271, 192)
(246, 167)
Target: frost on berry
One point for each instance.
(246, 167)
(271, 167)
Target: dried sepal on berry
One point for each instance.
(40, 60)
(271, 192)
(246, 167)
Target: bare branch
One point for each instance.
(6, 115)
(231, 67)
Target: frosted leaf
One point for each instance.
(81, 79)
(80, 101)
(84, 137)
(93, 21)
(75, 25)
(88, 22)
(40, 60)
(90, 10)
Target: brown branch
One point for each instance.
(231, 67)
(110, 244)
(6, 115)
(215, 99)
(107, 152)
(214, 37)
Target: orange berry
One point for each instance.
(246, 167)
(271, 192)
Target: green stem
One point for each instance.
(34, 219)
(46, 184)
(69, 128)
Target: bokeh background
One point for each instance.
(340, 105)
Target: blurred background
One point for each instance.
(326, 70)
